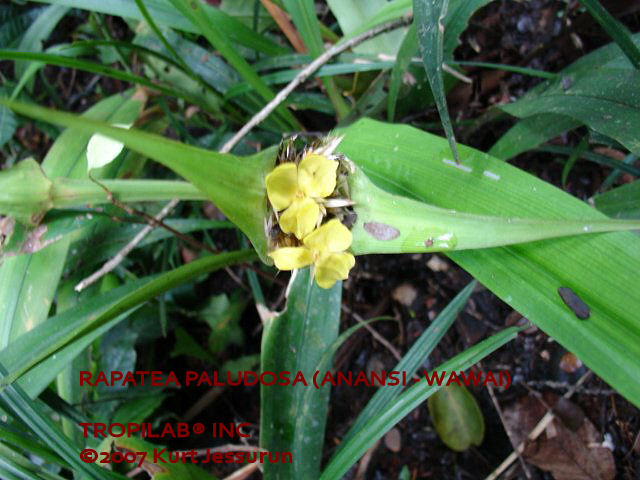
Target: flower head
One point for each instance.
(325, 249)
(296, 189)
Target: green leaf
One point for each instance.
(14, 20)
(353, 13)
(164, 13)
(39, 32)
(195, 12)
(605, 100)
(69, 332)
(457, 417)
(407, 50)
(303, 13)
(64, 61)
(429, 17)
(138, 410)
(411, 361)
(36, 276)
(377, 426)
(615, 29)
(391, 11)
(292, 418)
(621, 202)
(237, 188)
(388, 223)
(161, 470)
(222, 313)
(601, 269)
(15, 400)
(456, 21)
(582, 147)
(187, 345)
(530, 132)
(592, 157)
(8, 125)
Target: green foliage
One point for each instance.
(600, 268)
(456, 417)
(201, 73)
(430, 26)
(293, 417)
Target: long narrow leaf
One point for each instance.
(75, 328)
(84, 65)
(429, 16)
(304, 17)
(377, 426)
(166, 14)
(292, 419)
(615, 29)
(601, 269)
(31, 412)
(196, 13)
(411, 361)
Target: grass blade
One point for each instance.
(429, 17)
(18, 403)
(63, 61)
(530, 132)
(411, 361)
(152, 24)
(621, 202)
(459, 13)
(377, 426)
(407, 50)
(68, 333)
(605, 99)
(195, 12)
(38, 32)
(615, 29)
(164, 13)
(304, 17)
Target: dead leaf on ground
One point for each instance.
(570, 448)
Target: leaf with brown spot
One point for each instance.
(381, 231)
(574, 302)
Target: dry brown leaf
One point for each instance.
(282, 20)
(568, 454)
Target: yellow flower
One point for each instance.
(296, 189)
(325, 249)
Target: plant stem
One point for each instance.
(66, 192)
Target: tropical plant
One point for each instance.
(314, 207)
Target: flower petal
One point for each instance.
(333, 267)
(317, 175)
(332, 237)
(282, 185)
(300, 218)
(288, 258)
